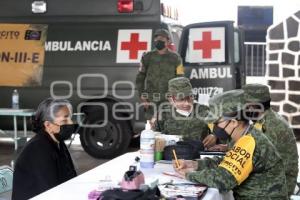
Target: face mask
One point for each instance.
(159, 44)
(254, 116)
(183, 112)
(66, 131)
(220, 132)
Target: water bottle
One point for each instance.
(147, 147)
(15, 99)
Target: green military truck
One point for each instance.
(91, 56)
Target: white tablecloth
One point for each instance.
(78, 188)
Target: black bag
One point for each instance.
(187, 150)
(119, 194)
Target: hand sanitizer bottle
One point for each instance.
(147, 147)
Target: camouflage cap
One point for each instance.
(180, 87)
(162, 32)
(227, 105)
(256, 93)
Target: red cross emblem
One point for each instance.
(134, 46)
(207, 44)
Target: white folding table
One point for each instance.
(79, 187)
(15, 113)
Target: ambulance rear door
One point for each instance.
(212, 54)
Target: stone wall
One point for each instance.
(283, 68)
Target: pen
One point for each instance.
(176, 160)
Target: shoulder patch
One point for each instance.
(239, 160)
(258, 126)
(180, 70)
(210, 126)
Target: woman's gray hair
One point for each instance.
(47, 111)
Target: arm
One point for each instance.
(36, 167)
(234, 168)
(217, 178)
(44, 169)
(159, 125)
(207, 163)
(141, 76)
(179, 67)
(162, 116)
(204, 131)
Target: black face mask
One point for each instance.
(159, 44)
(252, 115)
(220, 132)
(66, 131)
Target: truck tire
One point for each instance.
(106, 142)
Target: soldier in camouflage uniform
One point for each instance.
(252, 168)
(157, 68)
(181, 116)
(275, 128)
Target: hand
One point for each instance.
(209, 141)
(181, 173)
(152, 122)
(219, 147)
(185, 164)
(145, 102)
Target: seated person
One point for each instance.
(181, 116)
(45, 161)
(252, 168)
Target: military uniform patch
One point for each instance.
(258, 126)
(180, 70)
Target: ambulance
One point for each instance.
(213, 56)
(86, 51)
(89, 53)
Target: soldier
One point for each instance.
(181, 116)
(252, 168)
(157, 68)
(275, 128)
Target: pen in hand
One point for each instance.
(176, 160)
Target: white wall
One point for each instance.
(193, 11)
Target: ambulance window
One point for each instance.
(176, 33)
(206, 45)
(236, 47)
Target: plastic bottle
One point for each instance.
(147, 144)
(15, 99)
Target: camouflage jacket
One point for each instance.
(191, 127)
(282, 136)
(252, 168)
(155, 72)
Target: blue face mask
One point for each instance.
(220, 133)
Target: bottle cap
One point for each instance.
(148, 125)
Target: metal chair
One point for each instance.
(6, 182)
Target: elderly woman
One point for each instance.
(45, 161)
